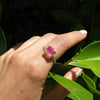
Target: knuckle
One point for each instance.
(31, 68)
(5, 57)
(60, 40)
(33, 64)
(17, 58)
(36, 37)
(51, 34)
(34, 72)
(2, 57)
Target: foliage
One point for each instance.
(36, 17)
(88, 58)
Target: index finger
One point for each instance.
(60, 43)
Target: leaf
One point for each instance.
(90, 74)
(90, 83)
(89, 58)
(89, 80)
(72, 96)
(49, 82)
(3, 46)
(77, 90)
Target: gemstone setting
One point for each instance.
(49, 52)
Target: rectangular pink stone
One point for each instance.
(50, 51)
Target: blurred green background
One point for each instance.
(22, 19)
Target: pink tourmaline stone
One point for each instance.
(49, 51)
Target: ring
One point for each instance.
(50, 52)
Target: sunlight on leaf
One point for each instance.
(89, 58)
(77, 90)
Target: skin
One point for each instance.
(24, 68)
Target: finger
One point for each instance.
(33, 50)
(60, 43)
(21, 46)
(63, 42)
(11, 50)
(58, 92)
(29, 42)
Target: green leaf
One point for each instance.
(72, 97)
(77, 90)
(89, 58)
(3, 46)
(88, 80)
(90, 83)
(90, 74)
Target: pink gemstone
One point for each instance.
(50, 51)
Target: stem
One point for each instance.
(65, 64)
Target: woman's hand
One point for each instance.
(24, 68)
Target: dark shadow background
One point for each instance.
(22, 19)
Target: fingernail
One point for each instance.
(68, 75)
(79, 72)
(83, 31)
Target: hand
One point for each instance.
(23, 68)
